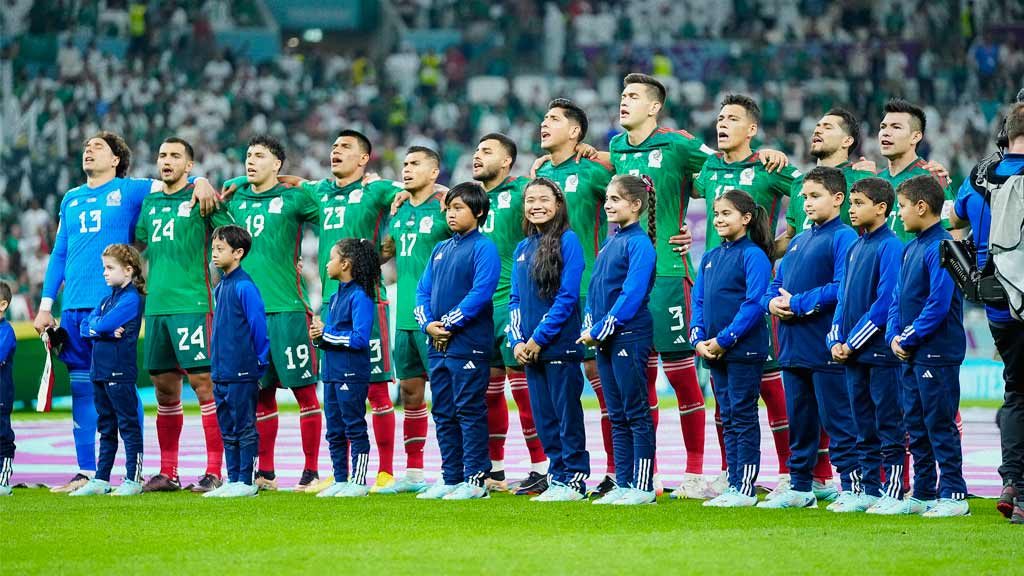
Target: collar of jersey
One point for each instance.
(277, 190)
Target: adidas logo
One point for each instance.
(439, 255)
(307, 374)
(344, 387)
(623, 354)
(927, 374)
(680, 339)
(200, 356)
(522, 258)
(376, 370)
(469, 366)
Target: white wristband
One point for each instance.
(46, 304)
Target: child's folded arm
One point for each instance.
(813, 300)
(876, 317)
(125, 310)
(936, 306)
(486, 273)
(634, 289)
(758, 271)
(567, 297)
(362, 324)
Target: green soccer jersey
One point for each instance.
(415, 230)
(671, 159)
(354, 211)
(274, 218)
(504, 226)
(767, 189)
(916, 168)
(795, 215)
(177, 251)
(583, 184)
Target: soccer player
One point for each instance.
(925, 330)
(737, 167)
(803, 296)
(901, 130)
(274, 215)
(178, 312)
(493, 160)
(101, 212)
(415, 229)
(348, 208)
(836, 136)
(583, 181)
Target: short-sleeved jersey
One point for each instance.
(916, 168)
(275, 218)
(504, 227)
(795, 215)
(671, 159)
(583, 184)
(354, 211)
(177, 249)
(415, 230)
(91, 219)
(767, 188)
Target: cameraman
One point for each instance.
(971, 208)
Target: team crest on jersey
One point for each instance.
(275, 205)
(356, 196)
(747, 177)
(426, 224)
(571, 183)
(654, 159)
(185, 208)
(114, 198)
(505, 199)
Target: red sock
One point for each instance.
(383, 425)
(521, 394)
(682, 375)
(721, 436)
(652, 397)
(652, 388)
(169, 419)
(311, 424)
(606, 427)
(266, 427)
(214, 443)
(414, 433)
(497, 417)
(774, 397)
(823, 467)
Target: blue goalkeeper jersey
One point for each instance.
(91, 219)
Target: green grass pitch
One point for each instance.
(284, 533)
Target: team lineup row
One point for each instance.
(175, 226)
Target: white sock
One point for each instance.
(88, 473)
(497, 465)
(414, 475)
(540, 467)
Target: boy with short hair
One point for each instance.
(454, 308)
(857, 340)
(8, 343)
(239, 355)
(925, 330)
(803, 296)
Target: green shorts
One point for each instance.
(670, 310)
(502, 356)
(176, 341)
(293, 361)
(380, 344)
(588, 352)
(411, 354)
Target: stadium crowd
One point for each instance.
(796, 58)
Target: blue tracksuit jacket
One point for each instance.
(620, 287)
(115, 359)
(348, 324)
(239, 348)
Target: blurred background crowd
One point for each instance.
(441, 73)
